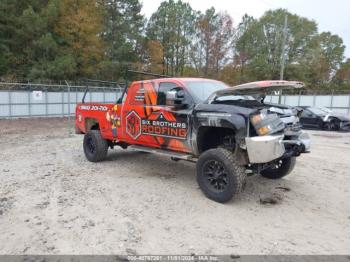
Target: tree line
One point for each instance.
(76, 39)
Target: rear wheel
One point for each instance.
(282, 168)
(95, 147)
(218, 175)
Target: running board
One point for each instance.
(174, 155)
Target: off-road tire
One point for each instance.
(95, 147)
(234, 178)
(328, 126)
(284, 169)
(331, 126)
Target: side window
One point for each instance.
(162, 91)
(306, 113)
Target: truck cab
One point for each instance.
(226, 131)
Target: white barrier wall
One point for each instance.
(337, 103)
(26, 104)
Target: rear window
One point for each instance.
(141, 94)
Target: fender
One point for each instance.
(215, 115)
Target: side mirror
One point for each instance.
(175, 97)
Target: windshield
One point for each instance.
(328, 111)
(201, 90)
(318, 111)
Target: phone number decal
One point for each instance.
(94, 108)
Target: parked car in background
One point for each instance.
(324, 119)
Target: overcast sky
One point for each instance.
(330, 15)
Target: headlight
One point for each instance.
(265, 124)
(255, 119)
(264, 130)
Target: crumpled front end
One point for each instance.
(271, 142)
(265, 149)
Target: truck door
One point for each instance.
(174, 123)
(308, 118)
(138, 107)
(148, 121)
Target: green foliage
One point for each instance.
(342, 77)
(241, 45)
(122, 34)
(9, 11)
(262, 43)
(29, 41)
(172, 25)
(332, 49)
(309, 56)
(214, 40)
(73, 39)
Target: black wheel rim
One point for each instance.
(91, 147)
(215, 175)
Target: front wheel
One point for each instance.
(282, 168)
(328, 126)
(331, 126)
(95, 147)
(218, 175)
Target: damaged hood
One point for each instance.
(250, 95)
(260, 87)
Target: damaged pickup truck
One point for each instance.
(229, 132)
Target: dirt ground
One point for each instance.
(52, 201)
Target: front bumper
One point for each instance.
(264, 149)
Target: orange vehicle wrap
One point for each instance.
(146, 123)
(138, 120)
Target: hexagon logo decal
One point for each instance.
(133, 125)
